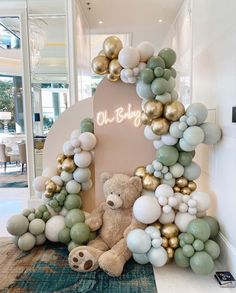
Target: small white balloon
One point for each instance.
(156, 243)
(83, 159)
(192, 203)
(53, 226)
(168, 139)
(75, 142)
(172, 201)
(202, 199)
(192, 211)
(142, 65)
(68, 149)
(162, 200)
(167, 218)
(182, 220)
(157, 144)
(149, 134)
(136, 71)
(77, 150)
(183, 207)
(166, 209)
(57, 180)
(151, 229)
(87, 185)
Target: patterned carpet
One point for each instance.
(45, 270)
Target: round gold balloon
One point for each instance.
(113, 77)
(176, 189)
(158, 225)
(192, 185)
(140, 171)
(181, 182)
(174, 110)
(160, 126)
(68, 165)
(186, 190)
(58, 188)
(50, 186)
(153, 109)
(59, 169)
(48, 194)
(145, 119)
(170, 252)
(169, 230)
(173, 242)
(112, 46)
(100, 64)
(150, 182)
(61, 158)
(165, 242)
(101, 53)
(115, 67)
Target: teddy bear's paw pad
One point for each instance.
(81, 260)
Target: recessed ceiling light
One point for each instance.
(160, 20)
(100, 22)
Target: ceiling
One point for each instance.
(138, 17)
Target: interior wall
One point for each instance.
(214, 73)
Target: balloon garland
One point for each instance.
(171, 207)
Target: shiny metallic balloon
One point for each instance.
(181, 182)
(145, 119)
(100, 64)
(169, 230)
(153, 109)
(150, 182)
(115, 67)
(112, 46)
(140, 171)
(68, 165)
(112, 77)
(174, 110)
(160, 126)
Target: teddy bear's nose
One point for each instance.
(111, 203)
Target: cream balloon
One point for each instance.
(146, 50)
(129, 57)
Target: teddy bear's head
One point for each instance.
(121, 190)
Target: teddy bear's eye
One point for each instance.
(118, 194)
(111, 192)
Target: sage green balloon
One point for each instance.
(17, 225)
(214, 226)
(212, 133)
(160, 86)
(92, 235)
(174, 129)
(64, 236)
(202, 263)
(26, 242)
(188, 238)
(38, 214)
(147, 75)
(40, 239)
(194, 135)
(60, 197)
(46, 216)
(155, 61)
(73, 201)
(79, 233)
(199, 111)
(199, 229)
(53, 203)
(180, 259)
(167, 155)
(185, 158)
(188, 250)
(74, 216)
(169, 56)
(31, 217)
(26, 212)
(144, 90)
(212, 248)
(173, 72)
(158, 71)
(167, 74)
(192, 171)
(87, 125)
(43, 208)
(198, 245)
(37, 226)
(165, 98)
(57, 209)
(73, 245)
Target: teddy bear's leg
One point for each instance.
(113, 260)
(85, 258)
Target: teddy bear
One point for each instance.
(113, 219)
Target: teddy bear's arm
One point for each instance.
(94, 220)
(134, 225)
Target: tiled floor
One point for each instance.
(169, 279)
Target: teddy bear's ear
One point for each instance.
(136, 181)
(105, 176)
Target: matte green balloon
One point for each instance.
(53, 203)
(60, 197)
(26, 212)
(87, 125)
(38, 214)
(182, 243)
(92, 235)
(37, 226)
(72, 201)
(173, 72)
(64, 236)
(26, 242)
(73, 245)
(212, 133)
(188, 250)
(159, 86)
(57, 209)
(198, 245)
(180, 259)
(155, 61)
(167, 74)
(185, 158)
(194, 135)
(79, 233)
(15, 240)
(201, 263)
(43, 208)
(147, 75)
(169, 56)
(46, 216)
(165, 98)
(74, 216)
(199, 111)
(17, 225)
(158, 71)
(144, 90)
(167, 155)
(212, 248)
(200, 229)
(40, 239)
(188, 238)
(214, 226)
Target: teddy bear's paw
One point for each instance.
(84, 259)
(111, 264)
(94, 224)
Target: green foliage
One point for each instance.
(7, 101)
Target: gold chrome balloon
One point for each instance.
(145, 119)
(150, 182)
(158, 225)
(100, 64)
(153, 109)
(173, 242)
(101, 53)
(50, 186)
(174, 110)
(115, 67)
(59, 169)
(181, 182)
(169, 230)
(68, 165)
(112, 46)
(170, 252)
(192, 185)
(186, 190)
(61, 158)
(160, 126)
(113, 77)
(164, 242)
(140, 171)
(58, 188)
(176, 189)
(48, 194)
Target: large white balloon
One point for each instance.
(39, 183)
(138, 241)
(212, 133)
(203, 200)
(129, 57)
(53, 226)
(87, 141)
(83, 159)
(194, 135)
(182, 220)
(146, 50)
(192, 171)
(157, 256)
(146, 209)
(199, 111)
(49, 172)
(164, 190)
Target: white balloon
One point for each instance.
(49, 172)
(192, 171)
(202, 199)
(157, 144)
(138, 241)
(87, 141)
(129, 57)
(212, 133)
(142, 66)
(193, 135)
(68, 149)
(183, 207)
(83, 159)
(182, 220)
(75, 133)
(75, 142)
(123, 76)
(166, 209)
(63, 212)
(39, 183)
(146, 50)
(162, 200)
(136, 71)
(53, 226)
(186, 146)
(146, 209)
(168, 139)
(128, 72)
(73, 187)
(199, 111)
(164, 190)
(149, 134)
(177, 170)
(87, 185)
(82, 175)
(132, 79)
(66, 176)
(57, 180)
(157, 256)
(172, 201)
(167, 218)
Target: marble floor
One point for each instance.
(169, 278)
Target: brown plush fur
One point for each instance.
(113, 219)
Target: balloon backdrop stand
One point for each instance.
(137, 94)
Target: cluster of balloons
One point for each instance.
(197, 249)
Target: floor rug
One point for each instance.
(13, 180)
(45, 270)
(19, 184)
